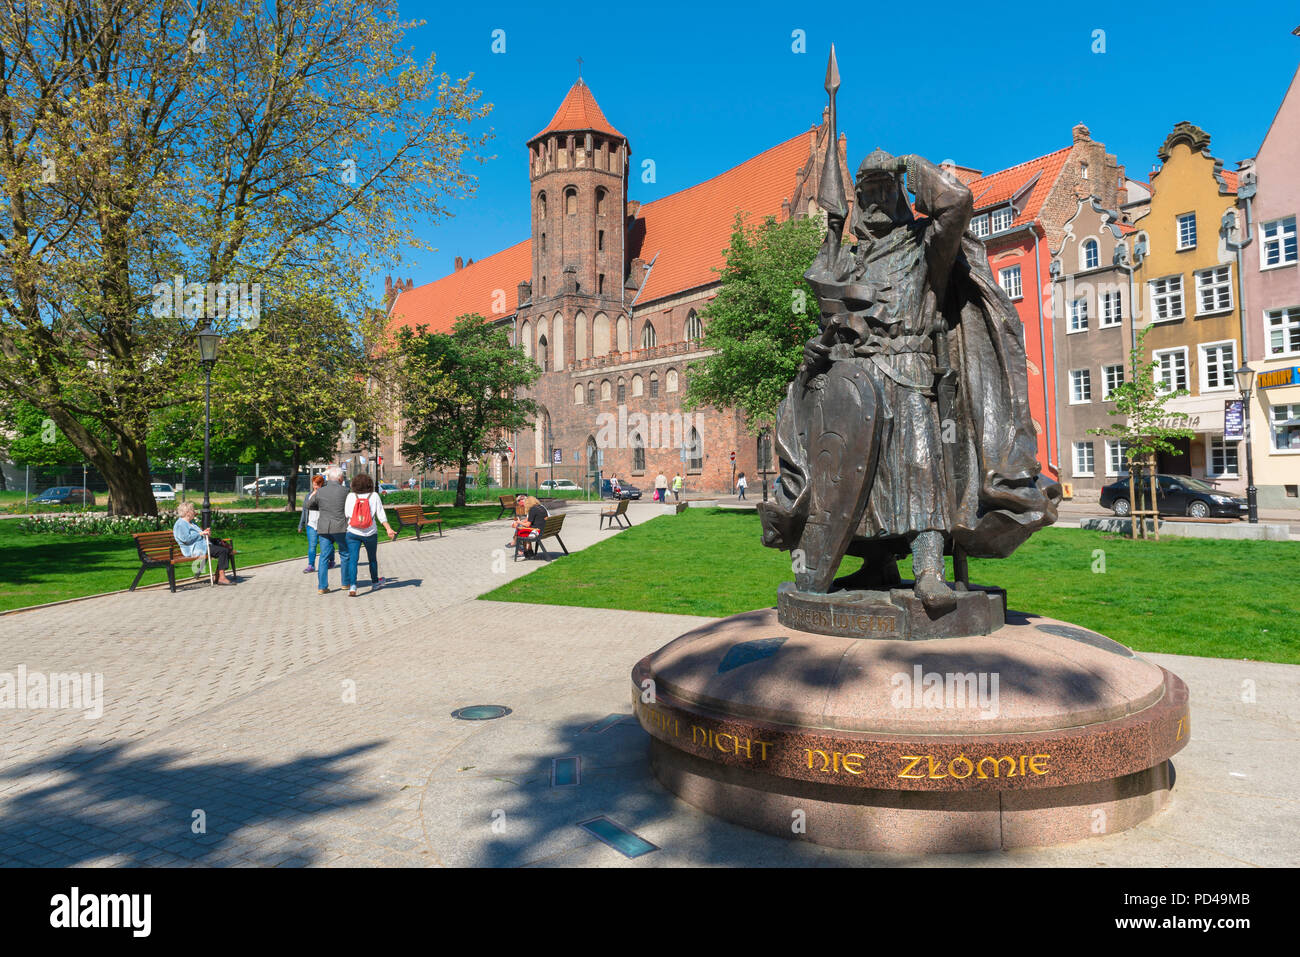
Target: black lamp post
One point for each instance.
(208, 340)
(1245, 380)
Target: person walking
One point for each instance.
(310, 516)
(196, 542)
(661, 487)
(365, 511)
(741, 485)
(331, 526)
(677, 487)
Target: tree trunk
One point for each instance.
(1155, 521)
(460, 481)
(1132, 504)
(130, 491)
(292, 487)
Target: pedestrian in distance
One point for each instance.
(331, 525)
(677, 487)
(741, 485)
(365, 511)
(661, 487)
(310, 516)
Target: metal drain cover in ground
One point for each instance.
(481, 712)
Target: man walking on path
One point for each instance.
(677, 487)
(331, 527)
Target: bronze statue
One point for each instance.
(907, 428)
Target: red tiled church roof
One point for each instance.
(690, 231)
(488, 287)
(579, 111)
(1000, 187)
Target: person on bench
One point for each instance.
(533, 522)
(195, 542)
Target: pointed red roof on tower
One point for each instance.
(579, 111)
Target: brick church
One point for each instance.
(606, 296)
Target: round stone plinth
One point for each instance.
(1038, 733)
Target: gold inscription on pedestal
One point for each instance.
(835, 761)
(1182, 728)
(962, 767)
(664, 722)
(810, 619)
(729, 743)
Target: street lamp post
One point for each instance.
(1245, 380)
(208, 340)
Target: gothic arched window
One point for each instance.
(622, 391)
(638, 386)
(638, 453)
(694, 451)
(654, 385)
(694, 327)
(571, 201)
(577, 395)
(600, 202)
(648, 337)
(541, 205)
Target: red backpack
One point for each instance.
(361, 517)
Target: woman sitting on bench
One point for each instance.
(528, 528)
(194, 541)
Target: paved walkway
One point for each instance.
(264, 724)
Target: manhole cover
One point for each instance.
(481, 712)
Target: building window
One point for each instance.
(543, 242)
(591, 393)
(1083, 460)
(1166, 298)
(654, 385)
(671, 378)
(543, 285)
(541, 205)
(1116, 457)
(1285, 422)
(1112, 377)
(694, 327)
(600, 284)
(694, 452)
(638, 386)
(1171, 369)
(1218, 362)
(1278, 246)
(979, 225)
(1000, 219)
(1222, 458)
(577, 395)
(571, 201)
(1283, 327)
(1009, 279)
(1091, 254)
(1080, 386)
(543, 353)
(526, 338)
(622, 391)
(1079, 315)
(600, 239)
(1112, 309)
(648, 337)
(1214, 290)
(604, 391)
(1187, 231)
(600, 203)
(638, 453)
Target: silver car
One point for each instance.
(162, 492)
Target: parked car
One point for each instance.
(559, 484)
(1175, 495)
(65, 495)
(625, 491)
(162, 492)
(386, 488)
(269, 485)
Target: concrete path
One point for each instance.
(264, 725)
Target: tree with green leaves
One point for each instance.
(1145, 427)
(157, 154)
(757, 324)
(459, 393)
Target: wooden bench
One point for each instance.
(550, 530)
(412, 516)
(159, 550)
(615, 514)
(507, 503)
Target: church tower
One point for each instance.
(578, 178)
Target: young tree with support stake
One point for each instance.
(1145, 428)
(459, 393)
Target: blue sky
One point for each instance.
(699, 87)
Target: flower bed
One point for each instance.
(91, 523)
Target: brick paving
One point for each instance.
(267, 725)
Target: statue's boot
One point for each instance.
(927, 566)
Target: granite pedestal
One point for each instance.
(1036, 733)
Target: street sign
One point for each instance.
(733, 457)
(1234, 429)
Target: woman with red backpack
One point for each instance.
(365, 511)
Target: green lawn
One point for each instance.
(1219, 599)
(35, 569)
